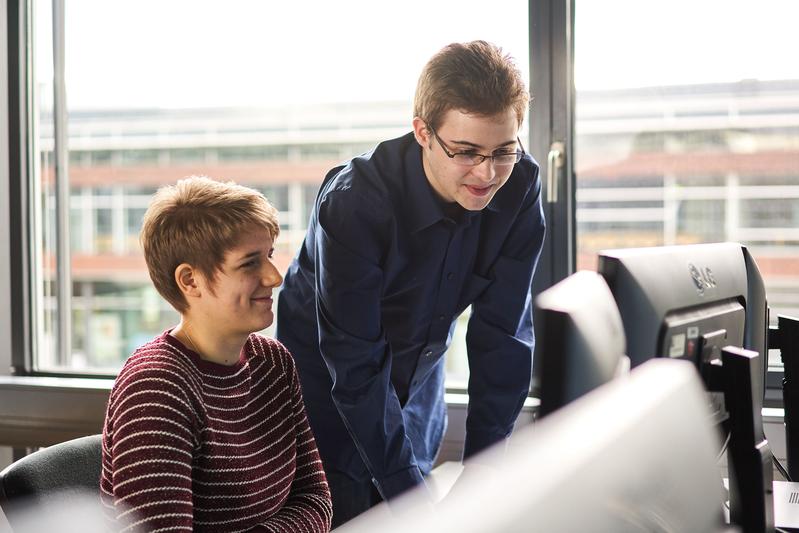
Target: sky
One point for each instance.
(178, 53)
(629, 43)
(202, 53)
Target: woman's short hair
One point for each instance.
(196, 221)
(474, 77)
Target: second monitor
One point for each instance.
(580, 337)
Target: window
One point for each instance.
(208, 91)
(687, 131)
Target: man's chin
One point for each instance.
(472, 203)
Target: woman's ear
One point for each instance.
(186, 279)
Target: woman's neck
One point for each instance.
(209, 345)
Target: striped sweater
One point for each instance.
(191, 445)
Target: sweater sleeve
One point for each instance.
(150, 431)
(308, 507)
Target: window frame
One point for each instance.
(552, 121)
(20, 153)
(551, 42)
(6, 231)
(552, 87)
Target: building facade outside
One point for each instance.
(667, 165)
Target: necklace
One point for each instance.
(194, 346)
(191, 341)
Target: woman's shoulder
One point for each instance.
(158, 362)
(269, 349)
(155, 381)
(156, 353)
(263, 346)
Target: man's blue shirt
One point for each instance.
(369, 305)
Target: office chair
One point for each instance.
(66, 476)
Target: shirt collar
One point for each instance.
(423, 206)
(493, 205)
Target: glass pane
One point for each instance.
(687, 130)
(257, 92)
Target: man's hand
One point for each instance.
(474, 477)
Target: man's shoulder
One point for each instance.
(374, 176)
(522, 187)
(525, 173)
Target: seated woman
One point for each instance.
(206, 428)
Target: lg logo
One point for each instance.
(703, 279)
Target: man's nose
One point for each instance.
(485, 170)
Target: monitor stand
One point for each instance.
(748, 454)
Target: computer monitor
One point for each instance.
(580, 339)
(687, 302)
(690, 302)
(635, 454)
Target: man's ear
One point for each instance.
(186, 279)
(421, 132)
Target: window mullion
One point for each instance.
(61, 153)
(20, 160)
(552, 122)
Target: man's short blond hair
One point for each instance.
(196, 221)
(474, 77)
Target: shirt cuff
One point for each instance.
(392, 486)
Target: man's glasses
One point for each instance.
(499, 158)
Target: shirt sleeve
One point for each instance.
(499, 337)
(152, 421)
(308, 507)
(352, 340)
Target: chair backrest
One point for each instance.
(66, 471)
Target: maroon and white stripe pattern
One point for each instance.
(190, 445)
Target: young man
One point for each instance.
(401, 241)
(206, 428)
